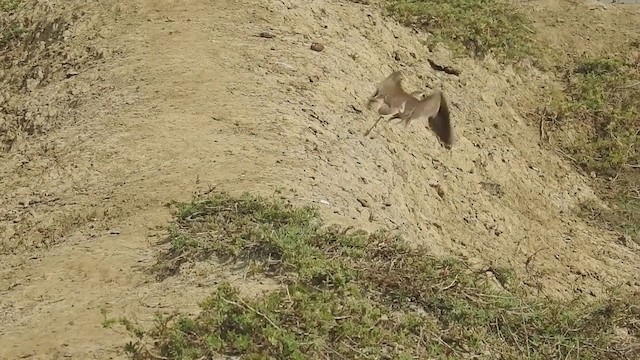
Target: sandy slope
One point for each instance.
(196, 99)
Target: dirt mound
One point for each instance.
(47, 52)
(42, 46)
(199, 98)
(497, 199)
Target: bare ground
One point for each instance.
(189, 97)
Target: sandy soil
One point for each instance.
(186, 96)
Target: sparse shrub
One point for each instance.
(601, 108)
(40, 42)
(351, 295)
(477, 27)
(600, 99)
(9, 5)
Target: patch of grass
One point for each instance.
(10, 34)
(351, 295)
(623, 214)
(9, 5)
(601, 99)
(9, 31)
(476, 27)
(601, 107)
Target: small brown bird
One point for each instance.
(398, 104)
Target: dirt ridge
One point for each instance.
(197, 99)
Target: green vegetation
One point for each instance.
(9, 5)
(601, 98)
(8, 30)
(350, 295)
(476, 27)
(10, 34)
(601, 107)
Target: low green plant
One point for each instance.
(601, 99)
(601, 108)
(8, 30)
(476, 27)
(9, 34)
(347, 294)
(9, 5)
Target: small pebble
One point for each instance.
(72, 72)
(266, 35)
(317, 47)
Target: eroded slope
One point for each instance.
(199, 99)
